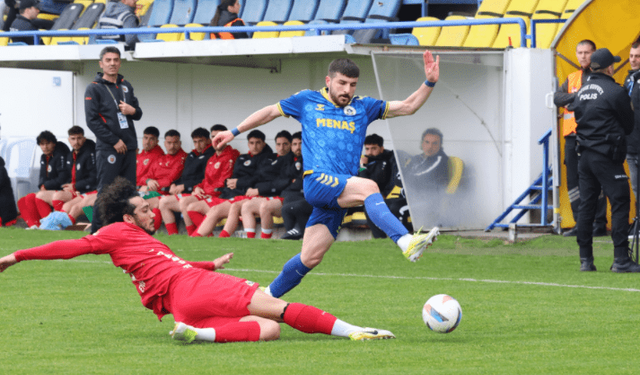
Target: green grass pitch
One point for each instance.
(526, 310)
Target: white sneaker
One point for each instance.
(33, 227)
(419, 242)
(183, 332)
(371, 334)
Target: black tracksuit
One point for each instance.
(53, 171)
(85, 166)
(246, 170)
(8, 210)
(101, 101)
(277, 175)
(295, 209)
(194, 167)
(604, 116)
(379, 169)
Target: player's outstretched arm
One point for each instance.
(220, 262)
(260, 117)
(411, 104)
(7, 261)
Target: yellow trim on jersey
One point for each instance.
(386, 111)
(281, 111)
(306, 173)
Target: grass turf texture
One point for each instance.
(526, 310)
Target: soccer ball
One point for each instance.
(442, 313)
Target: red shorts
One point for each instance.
(75, 194)
(209, 299)
(214, 201)
(198, 197)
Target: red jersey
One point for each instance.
(151, 264)
(144, 161)
(168, 168)
(219, 168)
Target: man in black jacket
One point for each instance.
(111, 107)
(604, 116)
(632, 87)
(33, 207)
(28, 20)
(8, 211)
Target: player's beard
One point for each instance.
(336, 99)
(145, 228)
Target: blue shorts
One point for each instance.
(322, 190)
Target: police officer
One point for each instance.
(110, 108)
(604, 116)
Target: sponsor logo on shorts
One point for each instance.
(111, 159)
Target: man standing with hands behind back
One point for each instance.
(111, 107)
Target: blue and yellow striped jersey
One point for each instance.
(332, 136)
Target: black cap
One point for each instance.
(602, 58)
(24, 4)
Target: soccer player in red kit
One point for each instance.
(206, 305)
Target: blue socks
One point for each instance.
(291, 275)
(383, 218)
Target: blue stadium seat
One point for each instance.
(278, 11)
(205, 11)
(355, 12)
(160, 14)
(253, 11)
(183, 12)
(384, 10)
(330, 10)
(316, 22)
(304, 10)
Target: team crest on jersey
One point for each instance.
(298, 165)
(145, 162)
(111, 159)
(217, 165)
(248, 282)
(125, 88)
(78, 167)
(320, 107)
(349, 111)
(49, 169)
(247, 163)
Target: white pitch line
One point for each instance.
(489, 281)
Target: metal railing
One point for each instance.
(317, 28)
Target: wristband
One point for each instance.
(235, 131)
(429, 83)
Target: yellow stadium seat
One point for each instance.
(142, 7)
(266, 34)
(290, 34)
(82, 40)
(47, 16)
(85, 3)
(456, 166)
(509, 34)
(484, 35)
(547, 10)
(3, 41)
(571, 6)
(193, 36)
(169, 37)
(427, 36)
(452, 36)
(101, 1)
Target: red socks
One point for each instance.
(172, 228)
(27, 208)
(196, 217)
(238, 332)
(57, 205)
(224, 234)
(265, 235)
(251, 234)
(157, 220)
(190, 229)
(308, 319)
(73, 219)
(42, 207)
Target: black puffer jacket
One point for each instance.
(53, 171)
(8, 210)
(85, 166)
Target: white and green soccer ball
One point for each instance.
(442, 313)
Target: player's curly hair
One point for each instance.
(113, 201)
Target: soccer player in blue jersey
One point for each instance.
(334, 125)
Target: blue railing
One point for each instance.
(318, 29)
(534, 23)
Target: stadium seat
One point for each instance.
(89, 18)
(266, 34)
(304, 10)
(290, 34)
(68, 16)
(278, 11)
(355, 12)
(456, 167)
(330, 10)
(313, 32)
(3, 41)
(253, 11)
(379, 12)
(547, 10)
(183, 12)
(169, 37)
(509, 34)
(85, 4)
(453, 36)
(483, 36)
(160, 15)
(194, 36)
(47, 16)
(205, 11)
(28, 169)
(142, 7)
(101, 2)
(82, 40)
(54, 41)
(424, 36)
